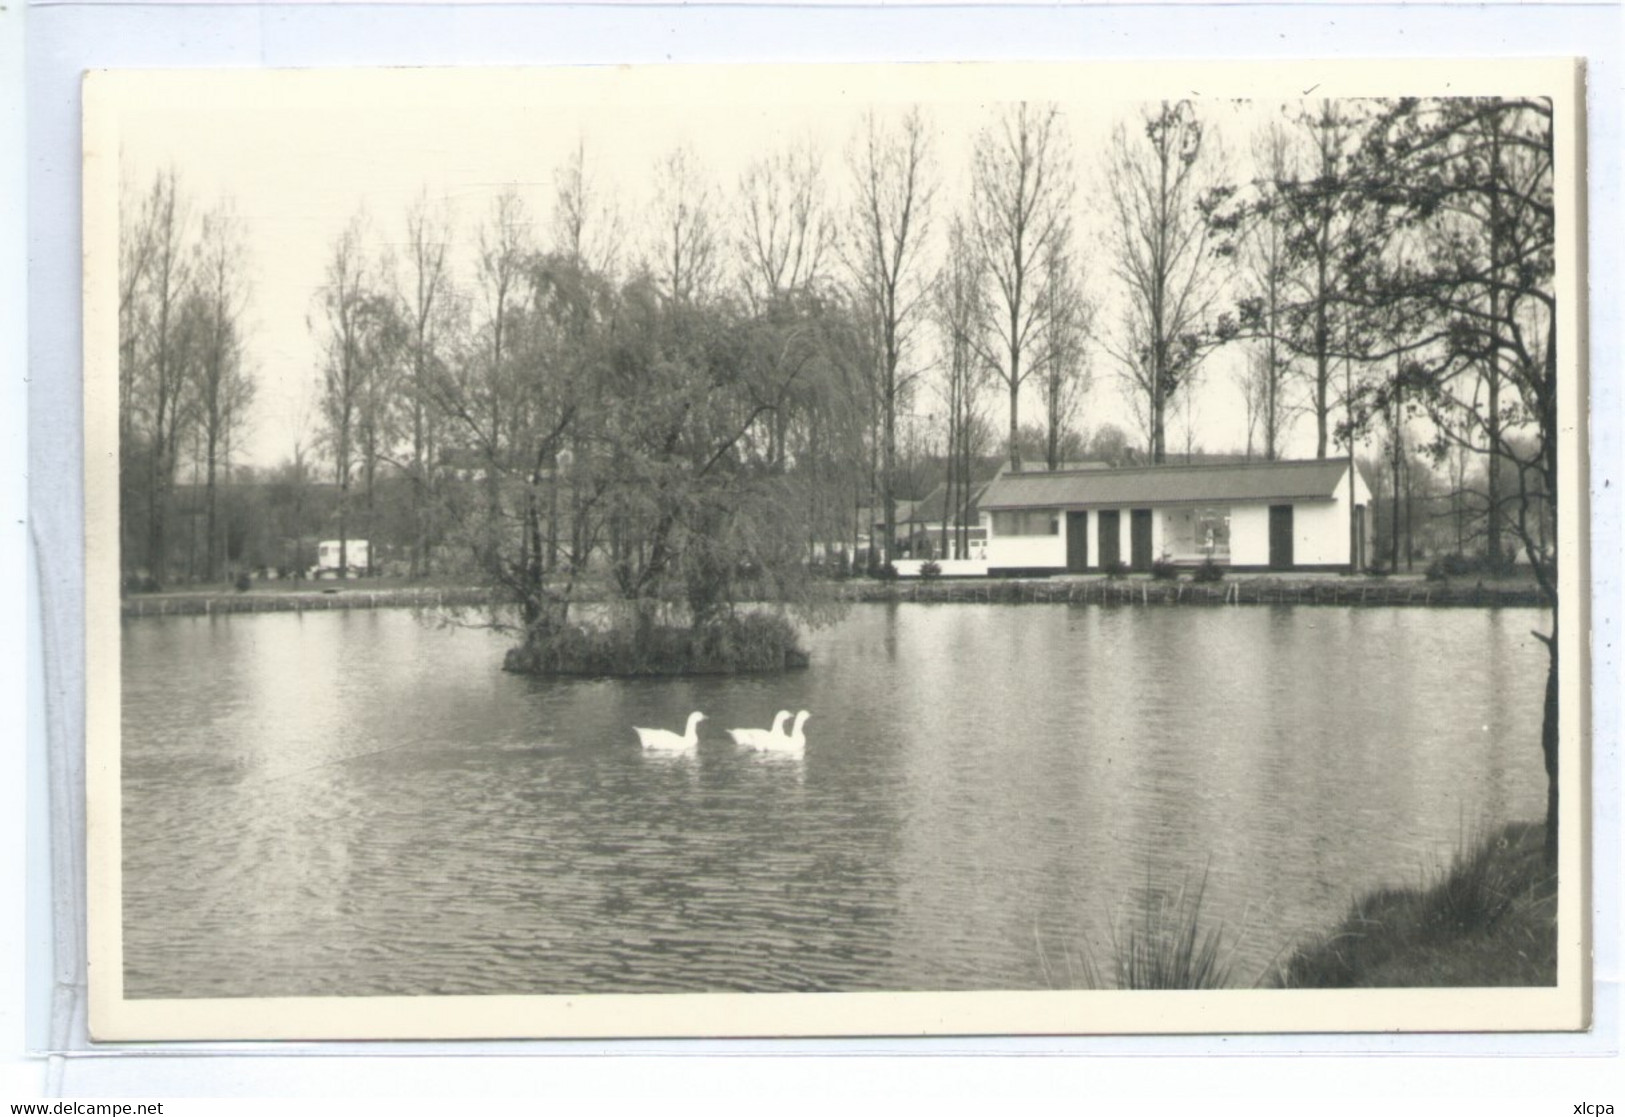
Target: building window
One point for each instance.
(1213, 532)
(1026, 523)
(1193, 534)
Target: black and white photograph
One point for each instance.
(835, 550)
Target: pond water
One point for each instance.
(351, 803)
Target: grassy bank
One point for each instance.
(378, 593)
(1243, 590)
(1488, 920)
(297, 597)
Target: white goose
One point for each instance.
(761, 738)
(793, 742)
(664, 740)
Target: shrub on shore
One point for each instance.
(1445, 567)
(1489, 920)
(1209, 571)
(737, 644)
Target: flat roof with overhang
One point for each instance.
(1141, 486)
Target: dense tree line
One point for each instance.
(1381, 271)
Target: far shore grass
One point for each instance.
(1490, 919)
(1243, 589)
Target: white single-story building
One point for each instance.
(1253, 516)
(327, 557)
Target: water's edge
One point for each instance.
(977, 591)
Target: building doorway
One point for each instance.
(1077, 542)
(1111, 551)
(1280, 537)
(1140, 538)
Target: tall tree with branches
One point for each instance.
(1269, 271)
(586, 222)
(1164, 192)
(136, 233)
(162, 390)
(685, 256)
(787, 237)
(426, 305)
(1318, 208)
(348, 307)
(1470, 180)
(959, 313)
(788, 232)
(1063, 360)
(222, 388)
(1023, 187)
(894, 190)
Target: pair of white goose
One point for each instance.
(775, 739)
(768, 740)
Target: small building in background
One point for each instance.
(327, 558)
(1255, 516)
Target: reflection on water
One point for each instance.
(357, 803)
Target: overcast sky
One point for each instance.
(299, 153)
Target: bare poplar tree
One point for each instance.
(586, 223)
(425, 305)
(1270, 275)
(787, 230)
(1023, 189)
(135, 261)
(385, 343)
(486, 404)
(890, 221)
(1162, 195)
(1063, 358)
(684, 255)
(223, 389)
(343, 298)
(1315, 218)
(164, 391)
(787, 234)
(959, 313)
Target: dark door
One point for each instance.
(1140, 538)
(1358, 562)
(1110, 552)
(1280, 537)
(1077, 541)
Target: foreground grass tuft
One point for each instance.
(1488, 920)
(1166, 946)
